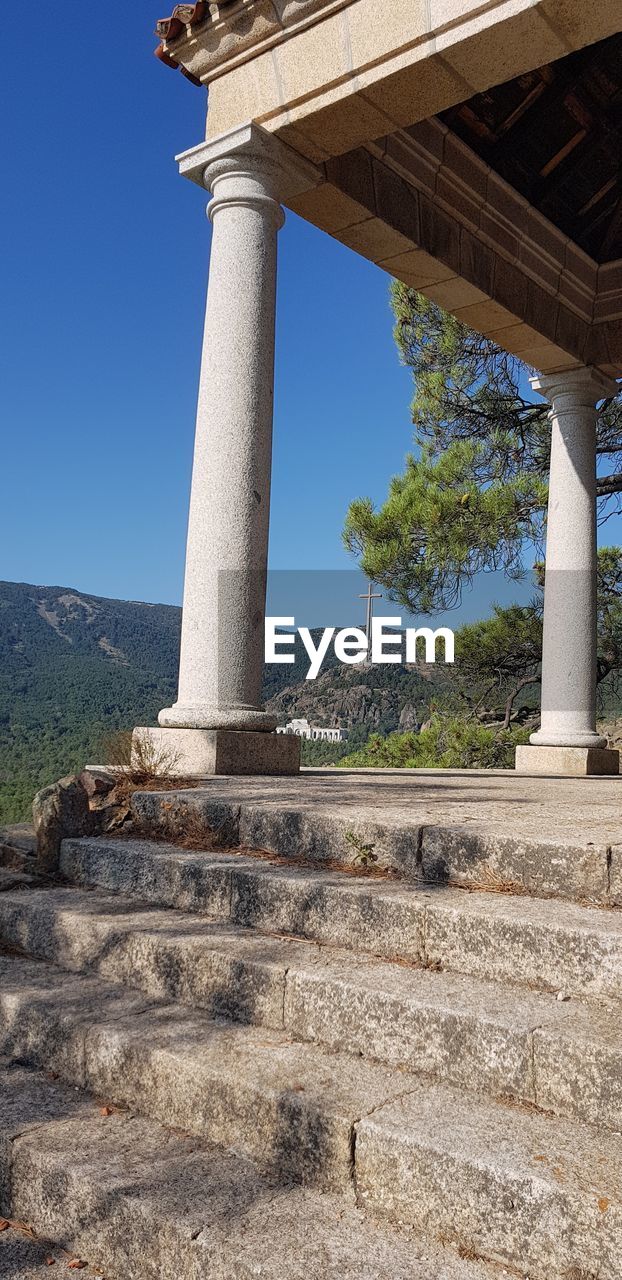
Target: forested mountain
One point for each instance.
(74, 667)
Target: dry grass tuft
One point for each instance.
(490, 882)
(137, 757)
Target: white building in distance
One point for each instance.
(302, 729)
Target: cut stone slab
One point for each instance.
(496, 829)
(22, 1258)
(201, 753)
(555, 946)
(228, 972)
(290, 1106)
(369, 915)
(566, 1057)
(456, 1028)
(135, 1199)
(548, 944)
(154, 873)
(570, 762)
(45, 1015)
(30, 1100)
(514, 1186)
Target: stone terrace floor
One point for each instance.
(579, 810)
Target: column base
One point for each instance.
(203, 753)
(567, 762)
(240, 719)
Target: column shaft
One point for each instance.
(569, 638)
(222, 644)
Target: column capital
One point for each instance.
(571, 388)
(252, 150)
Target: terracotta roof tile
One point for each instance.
(183, 16)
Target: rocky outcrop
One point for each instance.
(58, 811)
(381, 698)
(94, 803)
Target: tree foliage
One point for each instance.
(473, 494)
(449, 742)
(499, 658)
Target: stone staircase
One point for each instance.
(218, 1065)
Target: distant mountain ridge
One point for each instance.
(75, 667)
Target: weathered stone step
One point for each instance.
(134, 1199)
(519, 1187)
(291, 1107)
(16, 879)
(437, 827)
(26, 1257)
(18, 846)
(500, 1182)
(565, 1057)
(543, 943)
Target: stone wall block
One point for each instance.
(418, 88)
(477, 262)
(583, 268)
(612, 333)
(417, 269)
(460, 160)
(346, 121)
(375, 240)
(506, 202)
(541, 310)
(439, 235)
(510, 288)
(544, 270)
(574, 295)
(397, 203)
(352, 173)
(328, 207)
(457, 196)
(571, 332)
(500, 233)
(430, 134)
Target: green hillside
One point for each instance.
(74, 667)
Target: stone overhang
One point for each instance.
(356, 88)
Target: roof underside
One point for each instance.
(555, 135)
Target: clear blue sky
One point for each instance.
(104, 277)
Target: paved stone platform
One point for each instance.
(583, 810)
(545, 836)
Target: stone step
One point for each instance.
(25, 1257)
(18, 846)
(16, 879)
(519, 1187)
(501, 1183)
(292, 1107)
(136, 1200)
(436, 826)
(541, 943)
(471, 1032)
